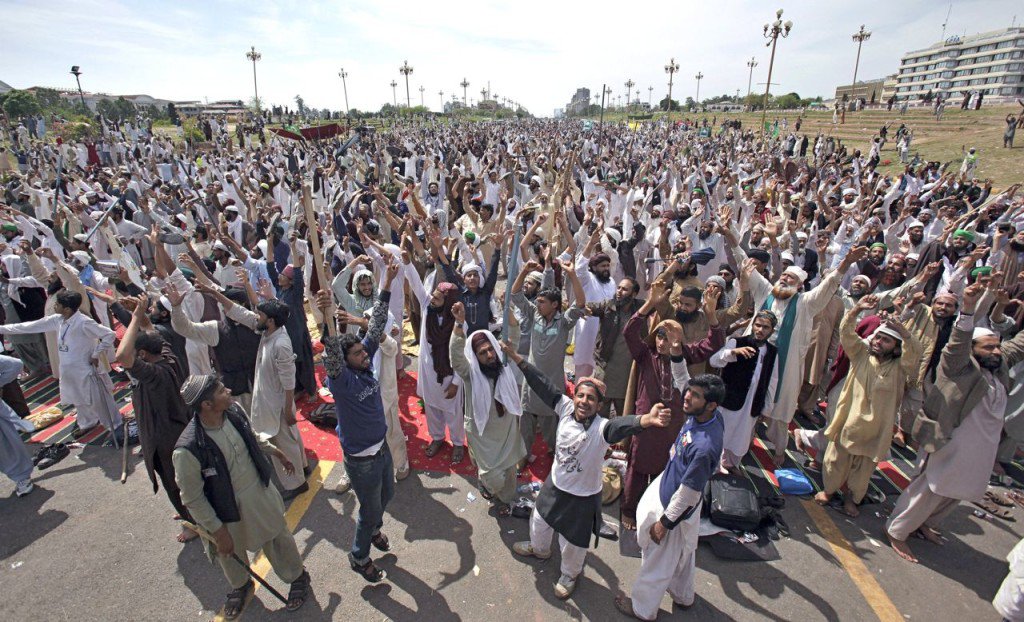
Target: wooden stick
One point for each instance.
(205, 535)
(317, 253)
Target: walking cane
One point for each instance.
(205, 535)
(124, 457)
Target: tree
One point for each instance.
(664, 104)
(49, 99)
(172, 113)
(387, 110)
(301, 104)
(255, 104)
(789, 100)
(690, 103)
(19, 104)
(125, 109)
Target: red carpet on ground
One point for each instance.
(322, 443)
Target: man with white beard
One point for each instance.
(796, 310)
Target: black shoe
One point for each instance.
(78, 431)
(381, 542)
(288, 495)
(369, 571)
(520, 511)
(54, 454)
(608, 532)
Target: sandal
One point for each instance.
(237, 600)
(504, 510)
(998, 499)
(380, 542)
(458, 454)
(369, 571)
(433, 448)
(485, 493)
(995, 510)
(298, 592)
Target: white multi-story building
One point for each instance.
(991, 63)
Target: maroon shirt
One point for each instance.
(649, 451)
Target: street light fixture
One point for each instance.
(464, 84)
(440, 94)
(750, 63)
(254, 56)
(421, 95)
(859, 37)
(405, 70)
(699, 76)
(344, 74)
(629, 87)
(671, 68)
(772, 32)
(75, 71)
(650, 93)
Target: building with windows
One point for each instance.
(579, 102)
(868, 90)
(991, 63)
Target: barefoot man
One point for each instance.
(960, 428)
(861, 430)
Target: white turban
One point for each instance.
(798, 272)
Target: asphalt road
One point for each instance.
(84, 547)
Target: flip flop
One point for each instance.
(995, 510)
(298, 591)
(998, 499)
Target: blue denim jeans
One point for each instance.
(373, 482)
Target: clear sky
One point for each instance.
(534, 52)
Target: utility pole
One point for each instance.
(394, 94)
(344, 74)
(650, 92)
(464, 84)
(699, 77)
(440, 95)
(254, 56)
(600, 122)
(629, 87)
(405, 70)
(421, 95)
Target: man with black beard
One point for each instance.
(273, 395)
(612, 355)
(234, 345)
(960, 244)
(596, 278)
(960, 429)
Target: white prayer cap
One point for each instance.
(913, 256)
(165, 302)
(888, 331)
(980, 332)
(472, 267)
(862, 277)
(788, 256)
(81, 237)
(613, 235)
(801, 235)
(221, 246)
(914, 223)
(80, 257)
(536, 277)
(231, 208)
(262, 245)
(799, 273)
(537, 180)
(848, 191)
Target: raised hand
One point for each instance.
(459, 313)
(745, 352)
(869, 301)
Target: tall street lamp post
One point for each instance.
(394, 93)
(464, 84)
(859, 38)
(629, 87)
(772, 32)
(699, 76)
(671, 68)
(75, 71)
(750, 63)
(254, 56)
(344, 74)
(405, 70)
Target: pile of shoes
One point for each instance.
(50, 455)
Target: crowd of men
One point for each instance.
(708, 283)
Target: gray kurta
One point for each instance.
(547, 347)
(499, 449)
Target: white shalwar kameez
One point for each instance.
(585, 338)
(79, 340)
(441, 412)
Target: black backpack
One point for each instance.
(732, 503)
